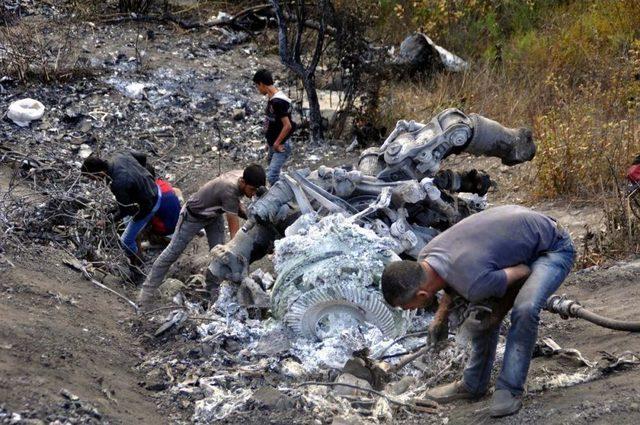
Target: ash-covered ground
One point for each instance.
(73, 353)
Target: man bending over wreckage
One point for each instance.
(509, 256)
(204, 211)
(137, 194)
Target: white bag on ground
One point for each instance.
(23, 111)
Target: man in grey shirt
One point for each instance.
(204, 210)
(510, 256)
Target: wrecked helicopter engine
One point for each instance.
(398, 199)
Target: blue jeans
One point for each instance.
(134, 227)
(276, 161)
(547, 273)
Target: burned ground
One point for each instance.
(62, 338)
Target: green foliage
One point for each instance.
(569, 69)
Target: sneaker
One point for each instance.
(503, 403)
(451, 392)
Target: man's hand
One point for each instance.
(438, 331)
(439, 327)
(278, 147)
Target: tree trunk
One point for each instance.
(290, 57)
(315, 117)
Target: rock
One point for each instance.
(292, 369)
(170, 288)
(347, 378)
(250, 294)
(239, 114)
(156, 380)
(272, 399)
(382, 410)
(400, 387)
(273, 343)
(356, 367)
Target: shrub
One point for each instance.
(134, 6)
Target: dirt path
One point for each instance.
(60, 332)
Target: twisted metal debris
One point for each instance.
(393, 204)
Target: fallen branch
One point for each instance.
(380, 355)
(421, 406)
(76, 265)
(222, 22)
(411, 357)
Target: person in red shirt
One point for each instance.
(633, 173)
(163, 223)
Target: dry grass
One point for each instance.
(32, 52)
(569, 70)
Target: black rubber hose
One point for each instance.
(566, 308)
(618, 325)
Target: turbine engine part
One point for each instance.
(490, 138)
(414, 150)
(333, 268)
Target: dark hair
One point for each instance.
(254, 175)
(93, 164)
(401, 280)
(263, 76)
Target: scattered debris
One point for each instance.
(420, 54)
(593, 370)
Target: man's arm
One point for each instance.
(242, 211)
(495, 283)
(516, 277)
(516, 274)
(286, 129)
(234, 224)
(439, 327)
(127, 206)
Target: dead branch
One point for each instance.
(409, 358)
(432, 408)
(76, 265)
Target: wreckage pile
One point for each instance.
(330, 271)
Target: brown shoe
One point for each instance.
(451, 392)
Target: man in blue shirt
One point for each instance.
(511, 256)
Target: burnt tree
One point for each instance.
(291, 44)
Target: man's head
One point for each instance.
(253, 177)
(406, 284)
(94, 167)
(263, 79)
